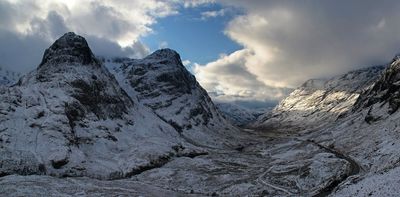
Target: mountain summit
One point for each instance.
(70, 48)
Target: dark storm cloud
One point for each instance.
(21, 53)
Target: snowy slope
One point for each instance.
(370, 134)
(8, 77)
(70, 117)
(162, 83)
(320, 101)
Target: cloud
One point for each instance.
(108, 48)
(196, 3)
(163, 44)
(212, 14)
(111, 27)
(228, 79)
(186, 62)
(287, 42)
(21, 53)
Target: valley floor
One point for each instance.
(265, 164)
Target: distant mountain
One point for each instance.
(71, 116)
(8, 77)
(320, 101)
(238, 115)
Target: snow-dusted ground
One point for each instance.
(267, 164)
(384, 183)
(34, 185)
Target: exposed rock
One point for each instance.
(162, 83)
(385, 91)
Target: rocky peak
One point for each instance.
(70, 65)
(166, 55)
(314, 84)
(69, 48)
(386, 89)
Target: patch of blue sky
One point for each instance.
(197, 39)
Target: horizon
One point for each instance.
(271, 47)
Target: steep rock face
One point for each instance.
(385, 91)
(162, 83)
(70, 117)
(320, 101)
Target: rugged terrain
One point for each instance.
(320, 101)
(360, 123)
(70, 117)
(85, 126)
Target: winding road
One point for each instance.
(355, 168)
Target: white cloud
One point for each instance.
(212, 14)
(123, 21)
(163, 45)
(196, 3)
(186, 62)
(112, 27)
(228, 79)
(287, 42)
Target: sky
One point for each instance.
(253, 52)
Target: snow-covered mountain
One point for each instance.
(149, 124)
(71, 117)
(355, 114)
(162, 83)
(238, 115)
(320, 101)
(8, 77)
(370, 134)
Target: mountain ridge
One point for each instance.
(76, 120)
(320, 101)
